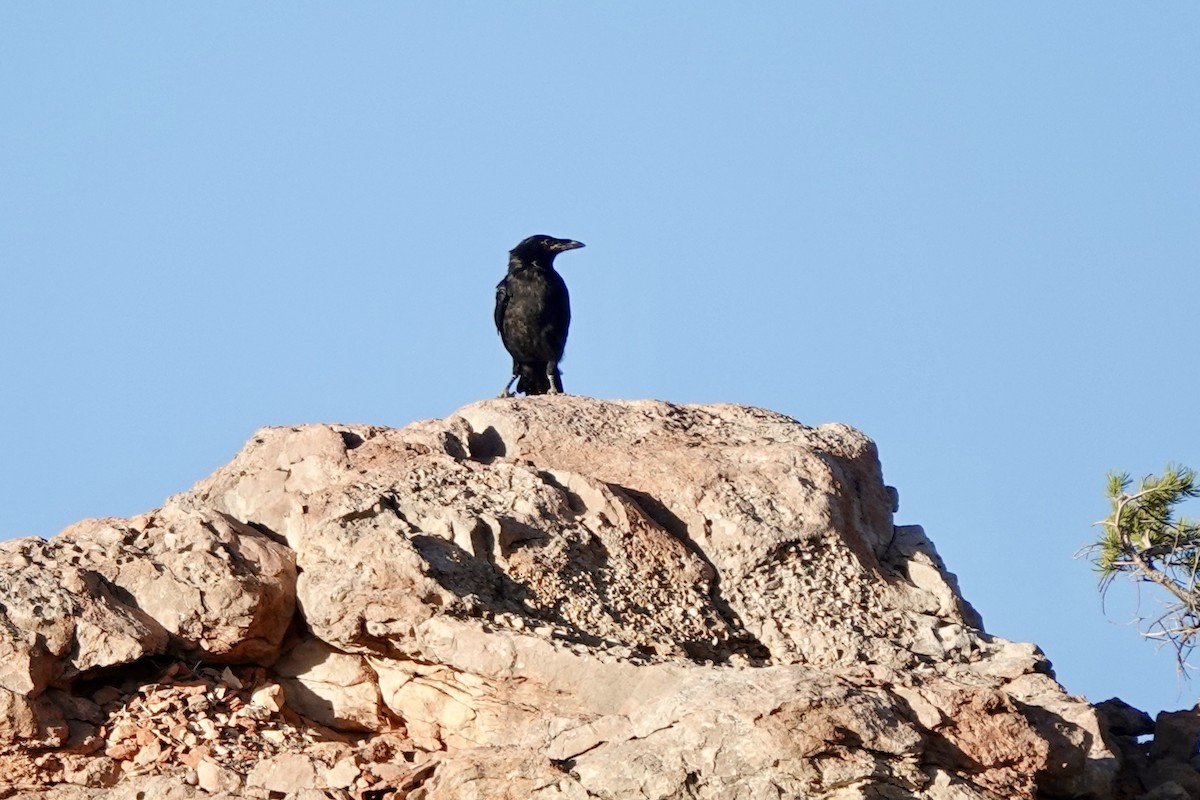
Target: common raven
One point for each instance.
(533, 312)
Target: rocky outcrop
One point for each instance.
(549, 597)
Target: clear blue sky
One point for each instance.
(970, 230)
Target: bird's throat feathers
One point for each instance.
(518, 263)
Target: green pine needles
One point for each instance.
(1145, 539)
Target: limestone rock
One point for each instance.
(284, 773)
(221, 589)
(214, 779)
(61, 618)
(331, 688)
(109, 592)
(542, 597)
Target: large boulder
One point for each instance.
(547, 597)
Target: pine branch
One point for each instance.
(1142, 538)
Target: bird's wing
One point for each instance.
(557, 318)
(501, 303)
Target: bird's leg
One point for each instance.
(553, 378)
(507, 391)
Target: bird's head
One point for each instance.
(542, 249)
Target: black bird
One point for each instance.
(533, 312)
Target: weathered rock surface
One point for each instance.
(549, 597)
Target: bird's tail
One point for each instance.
(534, 380)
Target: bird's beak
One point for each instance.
(566, 244)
